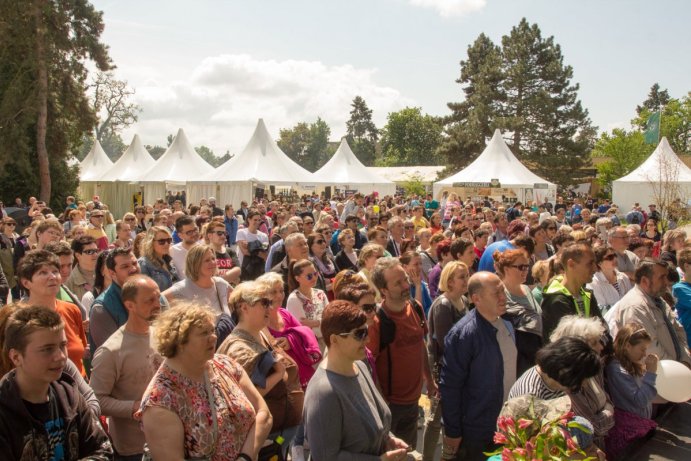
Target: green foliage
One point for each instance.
(624, 151)
(155, 151)
(656, 98)
(473, 120)
(414, 185)
(307, 144)
(524, 89)
(675, 123)
(110, 102)
(410, 138)
(362, 134)
(211, 158)
(43, 49)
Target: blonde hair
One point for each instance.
(193, 261)
(248, 292)
(148, 245)
(447, 273)
(368, 250)
(172, 328)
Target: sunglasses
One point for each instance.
(12, 224)
(409, 227)
(610, 257)
(130, 219)
(310, 276)
(359, 334)
(167, 241)
(91, 251)
(221, 233)
(369, 308)
(265, 302)
(552, 228)
(521, 267)
(320, 242)
(97, 216)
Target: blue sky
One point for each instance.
(214, 67)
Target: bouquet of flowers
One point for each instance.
(533, 437)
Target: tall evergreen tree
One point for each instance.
(656, 99)
(362, 133)
(43, 106)
(550, 130)
(473, 120)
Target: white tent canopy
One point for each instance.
(663, 166)
(130, 165)
(261, 162)
(344, 169)
(179, 165)
(91, 168)
(118, 184)
(497, 162)
(94, 164)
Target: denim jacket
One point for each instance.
(163, 278)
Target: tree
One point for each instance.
(410, 138)
(43, 49)
(155, 151)
(211, 158)
(675, 123)
(110, 102)
(622, 152)
(656, 98)
(473, 120)
(550, 130)
(307, 144)
(362, 134)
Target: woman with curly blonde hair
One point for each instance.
(200, 404)
(155, 260)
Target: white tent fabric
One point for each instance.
(344, 169)
(91, 168)
(497, 162)
(662, 166)
(118, 184)
(261, 162)
(179, 165)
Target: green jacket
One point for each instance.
(558, 302)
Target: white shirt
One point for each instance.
(244, 235)
(179, 255)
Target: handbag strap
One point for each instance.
(214, 420)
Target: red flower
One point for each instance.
(524, 423)
(500, 438)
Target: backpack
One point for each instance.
(387, 332)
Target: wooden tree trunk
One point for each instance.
(42, 105)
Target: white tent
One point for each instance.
(497, 164)
(119, 183)
(261, 163)
(179, 165)
(91, 168)
(645, 183)
(346, 172)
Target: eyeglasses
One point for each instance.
(552, 228)
(521, 267)
(91, 251)
(610, 257)
(359, 334)
(97, 216)
(167, 241)
(369, 308)
(130, 219)
(221, 233)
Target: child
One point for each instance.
(42, 415)
(631, 385)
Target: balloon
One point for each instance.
(673, 381)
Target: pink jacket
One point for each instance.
(304, 347)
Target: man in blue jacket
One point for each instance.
(478, 371)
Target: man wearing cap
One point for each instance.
(96, 228)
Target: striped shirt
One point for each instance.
(531, 383)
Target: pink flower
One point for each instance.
(571, 444)
(524, 423)
(510, 421)
(506, 455)
(521, 451)
(502, 423)
(500, 438)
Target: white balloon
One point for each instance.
(673, 381)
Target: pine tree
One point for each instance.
(656, 99)
(473, 120)
(550, 130)
(362, 134)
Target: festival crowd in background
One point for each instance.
(321, 327)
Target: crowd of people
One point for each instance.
(307, 326)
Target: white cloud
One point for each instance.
(219, 104)
(449, 8)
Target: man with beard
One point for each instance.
(122, 367)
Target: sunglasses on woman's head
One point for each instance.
(359, 334)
